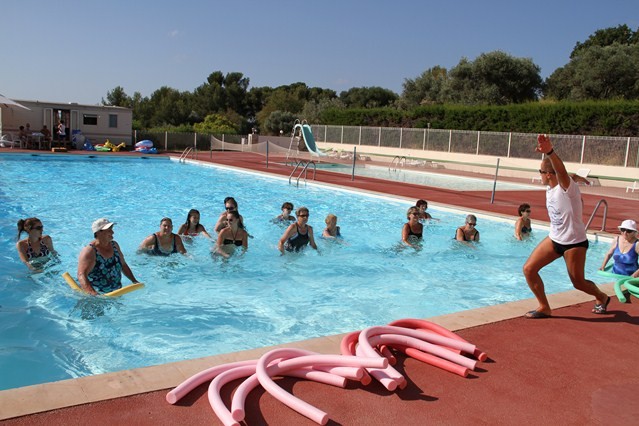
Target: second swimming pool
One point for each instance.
(196, 305)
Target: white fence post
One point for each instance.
(379, 137)
(360, 136)
(401, 135)
(625, 161)
(450, 139)
(424, 143)
(510, 138)
(166, 141)
(341, 138)
(583, 148)
(477, 149)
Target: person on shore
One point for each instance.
(567, 237)
(101, 263)
(624, 251)
(468, 232)
(331, 230)
(523, 225)
(192, 227)
(299, 234)
(164, 242)
(232, 236)
(412, 231)
(36, 247)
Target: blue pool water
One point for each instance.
(438, 180)
(196, 306)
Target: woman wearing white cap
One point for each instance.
(624, 251)
(101, 263)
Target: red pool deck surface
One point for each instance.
(576, 368)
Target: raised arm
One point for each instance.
(545, 146)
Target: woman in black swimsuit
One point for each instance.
(413, 229)
(299, 234)
(468, 232)
(35, 246)
(232, 236)
(164, 242)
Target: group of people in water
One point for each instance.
(101, 263)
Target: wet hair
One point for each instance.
(230, 200)
(236, 215)
(188, 217)
(421, 203)
(522, 207)
(301, 210)
(287, 205)
(23, 224)
(413, 209)
(329, 218)
(166, 219)
(471, 217)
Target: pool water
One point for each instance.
(197, 305)
(438, 180)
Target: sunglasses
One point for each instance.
(38, 228)
(627, 230)
(543, 172)
(230, 209)
(527, 211)
(302, 215)
(471, 223)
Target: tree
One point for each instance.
(215, 123)
(621, 34)
(494, 78)
(609, 72)
(368, 97)
(279, 120)
(117, 97)
(428, 88)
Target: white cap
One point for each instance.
(628, 224)
(101, 224)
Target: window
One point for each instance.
(90, 120)
(113, 120)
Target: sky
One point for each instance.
(78, 51)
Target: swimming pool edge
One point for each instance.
(39, 398)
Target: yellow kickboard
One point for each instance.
(115, 293)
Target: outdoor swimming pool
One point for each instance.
(196, 306)
(439, 180)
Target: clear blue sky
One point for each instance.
(76, 51)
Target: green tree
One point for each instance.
(313, 109)
(279, 120)
(494, 78)
(117, 97)
(609, 72)
(368, 97)
(428, 88)
(621, 34)
(215, 123)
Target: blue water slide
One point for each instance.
(309, 139)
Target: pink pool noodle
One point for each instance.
(389, 379)
(422, 335)
(293, 402)
(423, 346)
(196, 380)
(386, 353)
(348, 343)
(433, 360)
(418, 323)
(215, 400)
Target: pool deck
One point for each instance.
(575, 368)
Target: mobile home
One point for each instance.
(97, 123)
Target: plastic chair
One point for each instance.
(633, 187)
(9, 140)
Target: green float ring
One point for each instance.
(631, 284)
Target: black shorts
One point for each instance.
(560, 249)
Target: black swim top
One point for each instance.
(298, 241)
(44, 250)
(415, 234)
(525, 230)
(226, 241)
(475, 235)
(157, 250)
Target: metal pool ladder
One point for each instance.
(605, 214)
(401, 161)
(304, 164)
(185, 154)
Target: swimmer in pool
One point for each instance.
(36, 247)
(299, 234)
(229, 205)
(523, 225)
(192, 227)
(232, 236)
(468, 232)
(286, 217)
(412, 231)
(422, 205)
(331, 230)
(164, 242)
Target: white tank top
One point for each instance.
(565, 212)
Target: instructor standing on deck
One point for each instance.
(567, 237)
